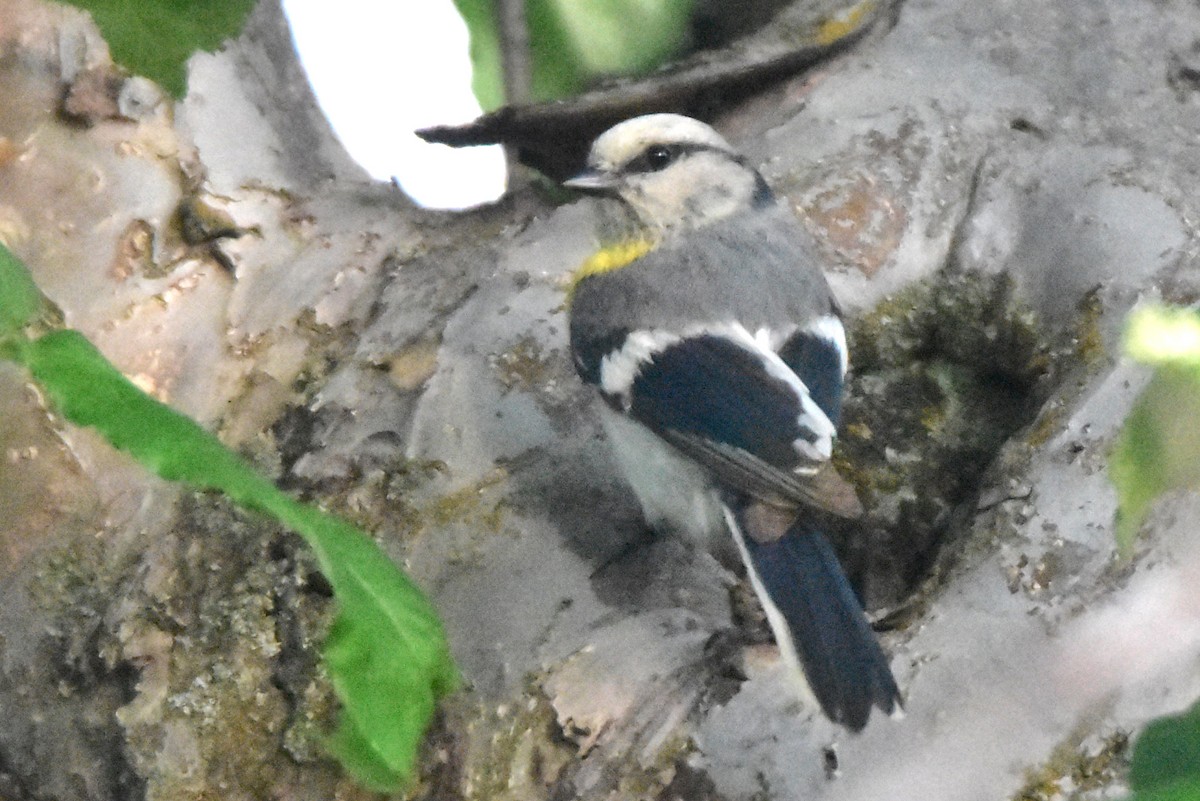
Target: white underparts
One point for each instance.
(675, 493)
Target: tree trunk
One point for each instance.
(995, 186)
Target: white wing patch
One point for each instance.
(811, 415)
(619, 369)
(830, 329)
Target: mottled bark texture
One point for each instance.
(994, 185)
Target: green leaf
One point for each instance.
(1159, 448)
(1166, 759)
(617, 37)
(1162, 335)
(20, 300)
(1186, 790)
(487, 72)
(386, 654)
(155, 38)
(89, 391)
(572, 44)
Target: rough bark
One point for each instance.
(995, 185)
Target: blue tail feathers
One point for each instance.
(840, 655)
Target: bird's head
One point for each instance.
(673, 170)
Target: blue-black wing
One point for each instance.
(742, 414)
(818, 360)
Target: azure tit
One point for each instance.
(720, 356)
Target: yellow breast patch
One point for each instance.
(609, 258)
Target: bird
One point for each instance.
(718, 350)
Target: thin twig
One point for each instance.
(514, 51)
(517, 66)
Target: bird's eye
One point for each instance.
(658, 157)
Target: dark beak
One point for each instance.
(592, 179)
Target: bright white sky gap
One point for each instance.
(381, 70)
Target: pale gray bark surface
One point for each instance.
(409, 369)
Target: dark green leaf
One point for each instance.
(1186, 790)
(155, 38)
(1166, 757)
